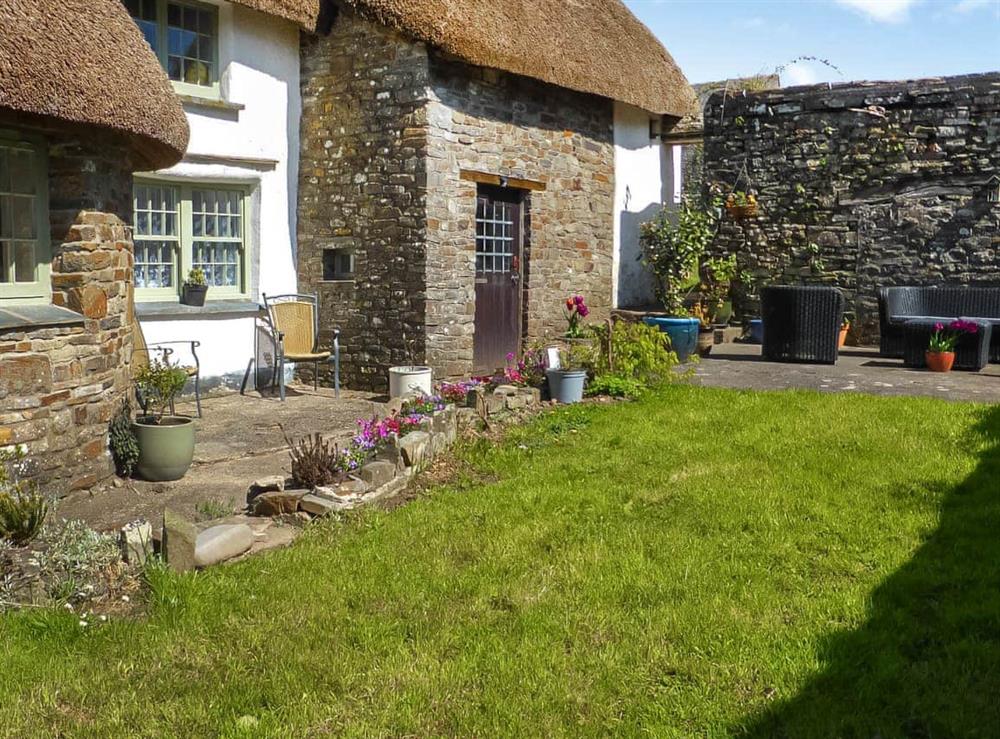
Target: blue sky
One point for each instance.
(865, 39)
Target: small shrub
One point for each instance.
(316, 462)
(637, 351)
(158, 384)
(616, 386)
(121, 440)
(22, 507)
(79, 563)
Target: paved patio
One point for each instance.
(859, 369)
(239, 439)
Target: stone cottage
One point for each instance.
(457, 173)
(76, 119)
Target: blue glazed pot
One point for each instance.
(756, 331)
(566, 386)
(683, 333)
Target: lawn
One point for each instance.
(701, 563)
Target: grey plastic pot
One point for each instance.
(566, 386)
(166, 450)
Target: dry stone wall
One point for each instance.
(862, 185)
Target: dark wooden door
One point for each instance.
(499, 248)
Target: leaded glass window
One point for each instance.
(179, 227)
(156, 236)
(217, 233)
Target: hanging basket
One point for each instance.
(741, 212)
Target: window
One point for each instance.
(338, 264)
(181, 227)
(24, 246)
(497, 231)
(184, 36)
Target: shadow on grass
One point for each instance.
(926, 663)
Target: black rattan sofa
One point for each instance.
(801, 323)
(897, 305)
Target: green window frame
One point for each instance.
(184, 34)
(178, 226)
(25, 251)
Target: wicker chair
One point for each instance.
(801, 324)
(899, 305)
(295, 321)
(140, 358)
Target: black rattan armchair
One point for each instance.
(801, 324)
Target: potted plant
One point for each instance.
(166, 441)
(566, 382)
(845, 327)
(195, 288)
(706, 332)
(741, 205)
(672, 244)
(940, 354)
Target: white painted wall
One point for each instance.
(257, 147)
(642, 185)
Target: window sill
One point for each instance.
(24, 315)
(338, 281)
(214, 308)
(213, 103)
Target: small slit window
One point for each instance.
(338, 264)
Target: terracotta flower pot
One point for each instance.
(842, 338)
(940, 361)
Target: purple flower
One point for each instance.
(939, 326)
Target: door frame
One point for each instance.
(522, 199)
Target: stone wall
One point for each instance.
(485, 121)
(387, 128)
(862, 185)
(362, 186)
(60, 384)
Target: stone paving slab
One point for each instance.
(238, 440)
(859, 369)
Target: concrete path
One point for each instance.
(859, 369)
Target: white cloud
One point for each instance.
(884, 11)
(967, 6)
(799, 74)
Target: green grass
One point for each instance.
(701, 563)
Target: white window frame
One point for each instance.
(39, 290)
(184, 252)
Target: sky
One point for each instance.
(861, 39)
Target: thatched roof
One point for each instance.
(593, 46)
(84, 61)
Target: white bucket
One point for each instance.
(409, 381)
